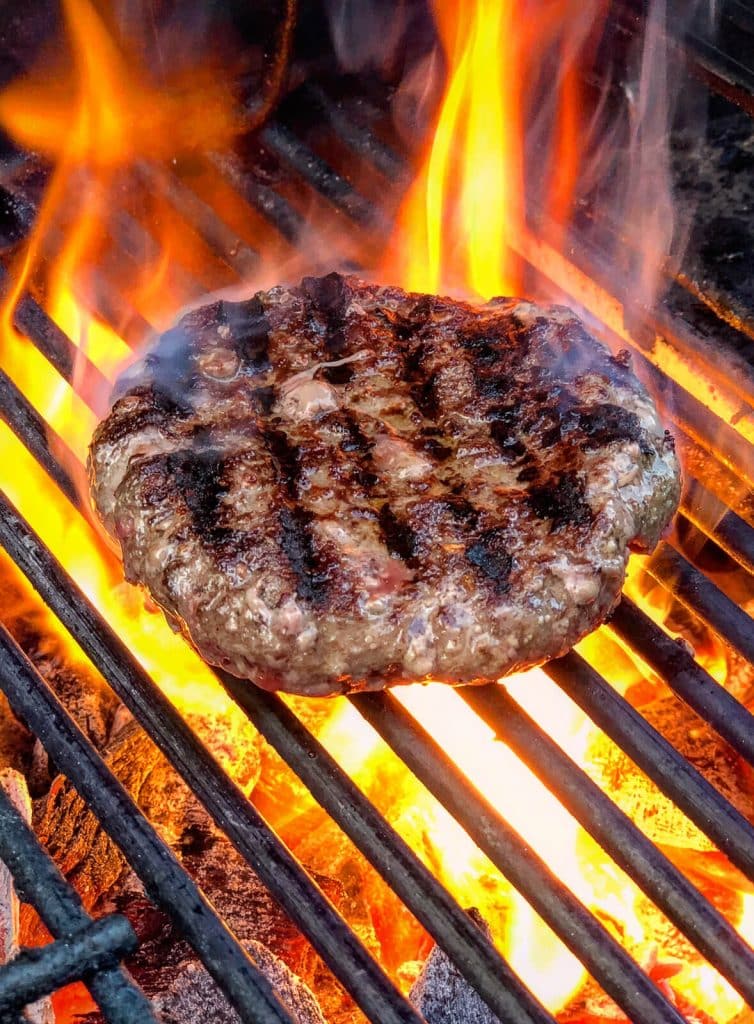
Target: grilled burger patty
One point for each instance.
(341, 486)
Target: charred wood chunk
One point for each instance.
(190, 994)
(443, 996)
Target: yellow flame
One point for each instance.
(466, 202)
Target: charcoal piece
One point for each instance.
(443, 996)
(651, 810)
(85, 853)
(191, 994)
(16, 742)
(81, 689)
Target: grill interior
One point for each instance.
(706, 315)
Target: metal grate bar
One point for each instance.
(700, 595)
(431, 904)
(166, 882)
(668, 769)
(300, 897)
(318, 174)
(32, 431)
(360, 138)
(277, 210)
(713, 936)
(32, 321)
(720, 524)
(603, 957)
(39, 882)
(38, 972)
(673, 663)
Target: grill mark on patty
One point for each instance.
(606, 423)
(198, 476)
(398, 536)
(561, 499)
(489, 554)
(296, 537)
(359, 447)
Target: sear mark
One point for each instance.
(490, 555)
(398, 536)
(562, 500)
(296, 538)
(329, 296)
(607, 423)
(297, 544)
(198, 475)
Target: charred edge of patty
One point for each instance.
(250, 331)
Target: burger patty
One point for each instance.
(341, 486)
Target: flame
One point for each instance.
(113, 129)
(466, 201)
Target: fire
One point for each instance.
(463, 228)
(465, 203)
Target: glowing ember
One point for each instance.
(463, 229)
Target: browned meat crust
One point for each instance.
(340, 486)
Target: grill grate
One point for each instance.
(477, 959)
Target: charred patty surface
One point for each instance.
(340, 486)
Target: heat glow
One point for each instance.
(124, 146)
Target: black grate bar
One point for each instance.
(719, 523)
(273, 207)
(33, 432)
(38, 881)
(357, 136)
(474, 955)
(165, 880)
(700, 595)
(221, 239)
(31, 320)
(660, 761)
(673, 663)
(712, 935)
(39, 972)
(582, 933)
(299, 896)
(318, 174)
